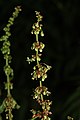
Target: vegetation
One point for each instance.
(61, 24)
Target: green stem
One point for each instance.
(10, 117)
(38, 64)
(41, 94)
(37, 37)
(37, 50)
(8, 90)
(8, 81)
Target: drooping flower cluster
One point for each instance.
(10, 104)
(41, 115)
(38, 46)
(40, 90)
(39, 73)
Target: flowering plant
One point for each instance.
(39, 73)
(9, 103)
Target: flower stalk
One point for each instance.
(39, 73)
(9, 103)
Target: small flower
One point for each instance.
(8, 70)
(46, 104)
(69, 118)
(42, 34)
(39, 17)
(8, 84)
(36, 114)
(38, 46)
(40, 90)
(31, 60)
(40, 71)
(18, 8)
(37, 27)
(34, 57)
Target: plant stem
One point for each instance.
(41, 86)
(37, 50)
(8, 81)
(37, 37)
(38, 64)
(10, 118)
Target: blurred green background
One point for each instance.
(61, 25)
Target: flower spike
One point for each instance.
(39, 73)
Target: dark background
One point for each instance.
(61, 25)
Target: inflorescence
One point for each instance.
(9, 103)
(39, 73)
